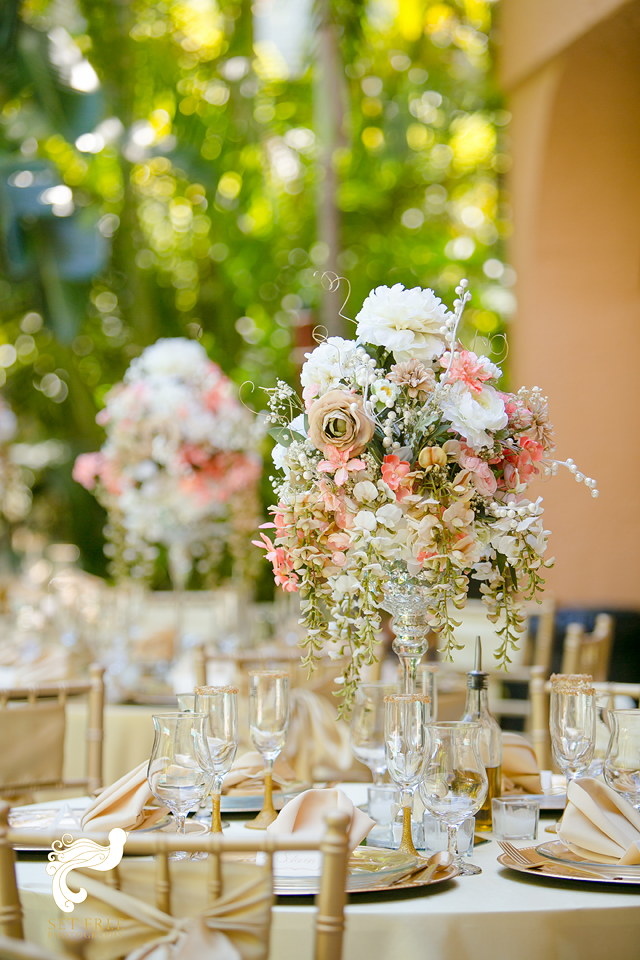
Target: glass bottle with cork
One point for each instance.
(477, 708)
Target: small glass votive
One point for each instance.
(436, 836)
(515, 818)
(381, 803)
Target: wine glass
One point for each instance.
(268, 725)
(622, 762)
(186, 702)
(178, 768)
(220, 704)
(366, 730)
(455, 783)
(405, 734)
(573, 725)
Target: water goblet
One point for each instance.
(186, 702)
(220, 704)
(622, 762)
(573, 725)
(268, 726)
(405, 733)
(178, 767)
(366, 730)
(455, 783)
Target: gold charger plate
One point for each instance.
(556, 871)
(448, 873)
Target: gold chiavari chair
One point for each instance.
(539, 693)
(32, 735)
(589, 652)
(241, 911)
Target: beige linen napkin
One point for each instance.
(122, 804)
(317, 738)
(247, 774)
(305, 815)
(519, 765)
(599, 824)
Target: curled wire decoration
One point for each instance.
(245, 405)
(331, 283)
(505, 347)
(317, 334)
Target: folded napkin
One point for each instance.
(520, 771)
(599, 824)
(304, 815)
(317, 738)
(123, 804)
(247, 774)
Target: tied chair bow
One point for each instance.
(233, 927)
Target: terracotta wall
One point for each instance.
(575, 187)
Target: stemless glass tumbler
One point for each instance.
(268, 725)
(366, 730)
(405, 732)
(178, 772)
(220, 705)
(455, 784)
(622, 762)
(572, 723)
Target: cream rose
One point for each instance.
(338, 420)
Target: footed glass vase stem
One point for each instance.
(410, 644)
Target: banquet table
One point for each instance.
(498, 915)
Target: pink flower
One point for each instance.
(309, 394)
(533, 448)
(394, 473)
(284, 574)
(87, 469)
(483, 477)
(339, 464)
(468, 368)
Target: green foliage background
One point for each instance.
(198, 214)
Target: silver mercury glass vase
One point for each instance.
(406, 598)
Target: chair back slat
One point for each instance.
(10, 909)
(53, 697)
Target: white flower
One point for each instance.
(365, 520)
(297, 425)
(472, 414)
(173, 357)
(331, 364)
(279, 457)
(346, 584)
(389, 515)
(365, 490)
(407, 322)
(384, 391)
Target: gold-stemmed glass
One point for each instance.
(455, 783)
(405, 733)
(268, 725)
(366, 730)
(220, 705)
(573, 724)
(178, 772)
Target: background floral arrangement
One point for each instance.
(181, 451)
(404, 450)
(15, 495)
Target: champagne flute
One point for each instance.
(455, 781)
(220, 704)
(178, 767)
(268, 725)
(572, 724)
(405, 733)
(427, 683)
(622, 762)
(366, 730)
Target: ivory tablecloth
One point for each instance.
(498, 915)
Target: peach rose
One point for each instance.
(338, 420)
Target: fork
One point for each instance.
(529, 857)
(526, 857)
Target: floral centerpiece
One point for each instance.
(180, 465)
(404, 459)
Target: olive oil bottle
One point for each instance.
(477, 708)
